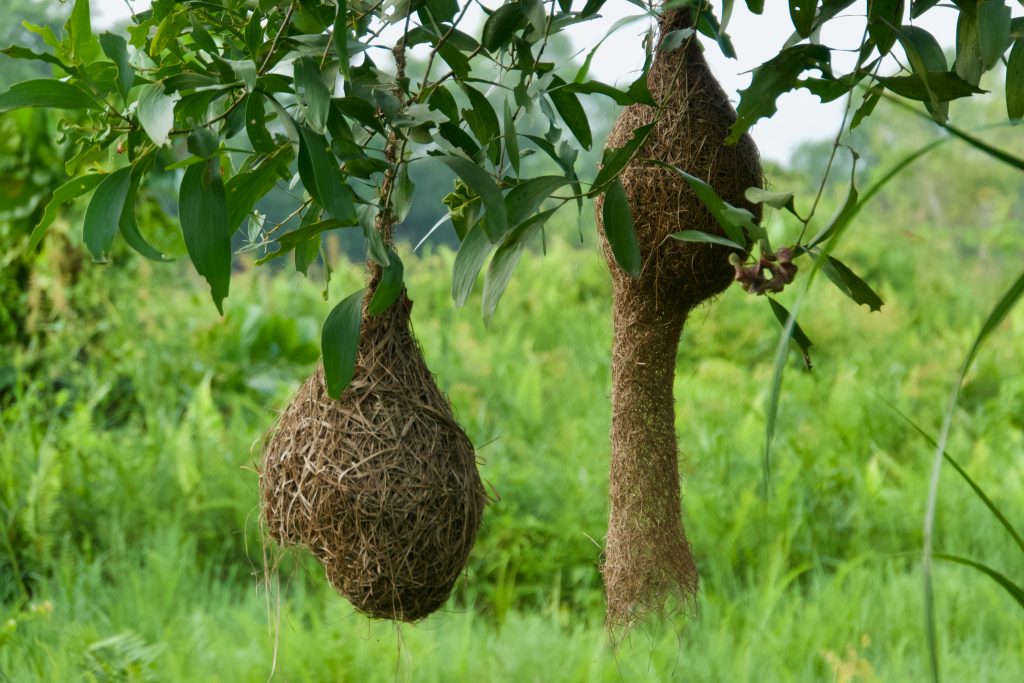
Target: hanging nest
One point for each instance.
(381, 485)
(647, 557)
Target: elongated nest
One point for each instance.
(381, 485)
(648, 561)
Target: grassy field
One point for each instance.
(128, 505)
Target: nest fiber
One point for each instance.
(381, 485)
(647, 556)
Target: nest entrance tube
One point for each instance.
(647, 553)
(648, 559)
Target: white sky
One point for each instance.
(801, 117)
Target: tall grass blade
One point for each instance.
(996, 512)
(1013, 589)
(995, 317)
(973, 141)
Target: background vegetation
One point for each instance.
(131, 418)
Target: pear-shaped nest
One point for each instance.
(381, 485)
(690, 129)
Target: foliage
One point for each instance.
(235, 93)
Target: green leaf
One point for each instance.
(707, 24)
(925, 56)
(1015, 81)
(47, 93)
(339, 343)
(614, 160)
(923, 50)
(620, 231)
(481, 116)
(322, 178)
(511, 138)
(637, 93)
(312, 94)
(468, 261)
(79, 31)
(734, 221)
(116, 48)
(919, 7)
(340, 38)
(500, 27)
(402, 194)
(203, 143)
(442, 11)
(156, 112)
(301, 235)
(202, 208)
(246, 188)
(21, 52)
(674, 40)
(256, 124)
(802, 13)
(942, 85)
(168, 31)
(290, 240)
(70, 190)
(571, 111)
(390, 286)
(359, 110)
(849, 283)
(706, 237)
(871, 98)
(500, 270)
(129, 228)
(480, 182)
(883, 16)
(455, 59)
(968, 65)
(44, 32)
(524, 199)
(803, 342)
(244, 70)
(104, 213)
(305, 254)
(776, 200)
(376, 250)
(200, 36)
(776, 76)
(993, 30)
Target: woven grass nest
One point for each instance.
(648, 559)
(381, 485)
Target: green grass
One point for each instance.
(129, 540)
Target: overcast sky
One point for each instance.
(801, 116)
